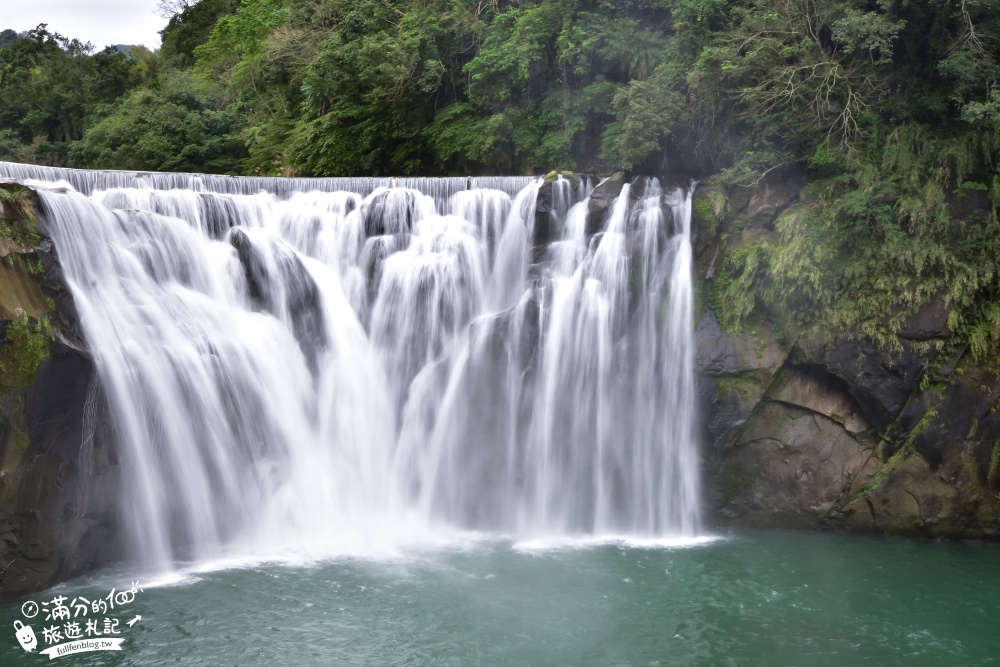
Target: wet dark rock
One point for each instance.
(292, 293)
(547, 227)
(953, 414)
(389, 212)
(720, 353)
(602, 199)
(550, 213)
(790, 467)
(219, 214)
(373, 256)
(735, 372)
(880, 382)
(302, 302)
(544, 200)
(860, 446)
(930, 321)
(254, 268)
(63, 513)
(59, 474)
(775, 192)
(605, 194)
(724, 408)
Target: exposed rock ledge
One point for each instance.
(840, 433)
(54, 432)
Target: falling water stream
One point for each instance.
(427, 422)
(343, 366)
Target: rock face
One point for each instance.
(547, 225)
(58, 463)
(839, 432)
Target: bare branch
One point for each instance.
(969, 35)
(168, 9)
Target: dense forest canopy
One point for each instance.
(311, 87)
(892, 108)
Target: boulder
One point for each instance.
(929, 321)
(879, 381)
(719, 353)
(821, 394)
(770, 196)
(390, 212)
(290, 294)
(735, 371)
(791, 467)
(602, 199)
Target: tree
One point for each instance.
(171, 125)
(169, 8)
(8, 37)
(190, 27)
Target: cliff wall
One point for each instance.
(58, 468)
(809, 428)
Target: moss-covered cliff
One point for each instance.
(890, 425)
(57, 470)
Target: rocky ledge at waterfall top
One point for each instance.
(815, 430)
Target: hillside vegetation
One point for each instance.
(890, 107)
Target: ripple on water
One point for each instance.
(741, 599)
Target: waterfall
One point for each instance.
(337, 365)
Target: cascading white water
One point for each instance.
(337, 365)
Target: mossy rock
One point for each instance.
(744, 385)
(737, 481)
(25, 347)
(709, 207)
(24, 309)
(791, 215)
(18, 220)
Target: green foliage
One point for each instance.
(459, 133)
(858, 31)
(11, 147)
(25, 347)
(238, 40)
(7, 38)
(51, 86)
(191, 28)
(18, 222)
(650, 110)
(170, 126)
(400, 86)
(144, 64)
(18, 199)
(994, 461)
(870, 247)
(892, 107)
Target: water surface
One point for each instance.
(753, 598)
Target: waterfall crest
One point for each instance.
(334, 365)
